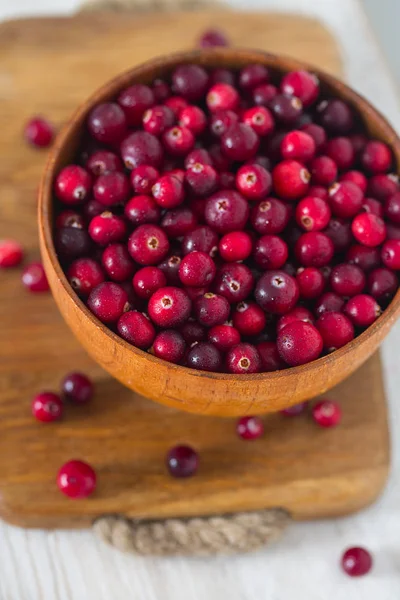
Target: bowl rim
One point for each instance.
(229, 55)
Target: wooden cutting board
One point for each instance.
(48, 66)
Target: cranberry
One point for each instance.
(107, 228)
(190, 81)
(391, 254)
(356, 561)
(298, 145)
(136, 329)
(212, 38)
(157, 119)
(295, 410)
(364, 257)
(77, 387)
(327, 413)
(264, 93)
(359, 141)
(178, 141)
(347, 280)
(222, 96)
(302, 84)
(47, 407)
(182, 461)
(222, 75)
(198, 156)
(117, 262)
(224, 337)
(382, 284)
(382, 186)
(108, 301)
(290, 179)
(148, 244)
(148, 280)
(176, 104)
(205, 357)
(249, 428)
(169, 345)
(140, 210)
(314, 249)
(103, 162)
(253, 181)
(178, 222)
(313, 214)
(318, 134)
(357, 178)
(169, 307)
(249, 319)
(373, 206)
(235, 246)
(269, 355)
(135, 100)
(299, 343)
(202, 239)
(84, 274)
(234, 281)
(299, 313)
(91, 209)
(270, 216)
(226, 211)
(170, 267)
(368, 229)
(317, 191)
(328, 302)
(339, 232)
(107, 123)
(259, 119)
(193, 332)
(11, 254)
(243, 359)
(341, 151)
(39, 132)
(240, 142)
(197, 269)
(73, 185)
(111, 189)
(76, 479)
(211, 309)
(336, 330)
(392, 208)
(34, 278)
(143, 178)
(336, 116)
(270, 252)
(362, 310)
(346, 199)
(201, 179)
(72, 243)
(160, 90)
(286, 109)
(276, 292)
(194, 119)
(323, 170)
(71, 218)
(311, 282)
(141, 148)
(219, 160)
(376, 157)
(168, 191)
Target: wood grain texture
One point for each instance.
(310, 472)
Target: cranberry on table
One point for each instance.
(73, 185)
(76, 479)
(224, 336)
(84, 274)
(368, 229)
(302, 84)
(295, 410)
(299, 343)
(290, 179)
(327, 413)
(211, 309)
(108, 301)
(136, 329)
(234, 281)
(235, 246)
(107, 123)
(336, 330)
(243, 359)
(311, 282)
(182, 461)
(169, 307)
(39, 132)
(391, 254)
(77, 387)
(47, 407)
(212, 38)
(204, 357)
(34, 278)
(347, 280)
(249, 428)
(313, 214)
(270, 216)
(356, 561)
(276, 292)
(134, 101)
(103, 162)
(249, 319)
(11, 254)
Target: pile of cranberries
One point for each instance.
(237, 222)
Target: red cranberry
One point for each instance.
(382, 284)
(190, 82)
(368, 229)
(259, 119)
(157, 119)
(240, 142)
(77, 387)
(362, 310)
(391, 254)
(336, 116)
(299, 343)
(253, 75)
(47, 407)
(357, 178)
(323, 170)
(178, 222)
(286, 109)
(317, 191)
(313, 214)
(194, 119)
(341, 151)
(198, 155)
(270, 252)
(249, 319)
(299, 313)
(193, 332)
(108, 301)
(336, 330)
(373, 206)
(204, 357)
(311, 282)
(264, 93)
(178, 141)
(234, 281)
(291, 179)
(73, 185)
(202, 239)
(345, 199)
(270, 216)
(327, 413)
(11, 253)
(359, 141)
(182, 461)
(34, 278)
(222, 96)
(111, 189)
(169, 345)
(298, 145)
(84, 274)
(269, 355)
(376, 157)
(197, 269)
(314, 249)
(392, 231)
(136, 329)
(347, 280)
(382, 186)
(141, 148)
(317, 133)
(328, 302)
(276, 292)
(392, 208)
(176, 104)
(72, 243)
(243, 359)
(160, 90)
(211, 309)
(107, 123)
(39, 132)
(148, 280)
(135, 100)
(201, 179)
(71, 218)
(224, 337)
(107, 228)
(249, 428)
(103, 162)
(169, 307)
(295, 410)
(253, 181)
(148, 244)
(226, 211)
(143, 178)
(221, 75)
(356, 561)
(302, 84)
(235, 246)
(76, 479)
(168, 192)
(117, 262)
(221, 121)
(364, 257)
(212, 38)
(140, 210)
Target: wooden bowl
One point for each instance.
(179, 387)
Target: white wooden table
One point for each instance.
(40, 565)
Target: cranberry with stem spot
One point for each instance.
(169, 307)
(253, 181)
(84, 274)
(148, 245)
(276, 292)
(270, 216)
(243, 359)
(108, 301)
(313, 214)
(249, 319)
(226, 211)
(211, 309)
(311, 282)
(234, 281)
(73, 185)
(107, 228)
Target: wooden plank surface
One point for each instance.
(48, 65)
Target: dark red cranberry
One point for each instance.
(364, 257)
(341, 151)
(359, 141)
(212, 38)
(198, 155)
(143, 178)
(158, 119)
(91, 209)
(102, 162)
(382, 284)
(260, 119)
(261, 160)
(221, 75)
(235, 246)
(314, 249)
(107, 123)
(295, 410)
(108, 301)
(140, 210)
(148, 280)
(148, 244)
(182, 461)
(376, 157)
(211, 309)
(194, 119)
(76, 479)
(249, 319)
(318, 134)
(201, 179)
(339, 232)
(160, 90)
(243, 359)
(323, 170)
(317, 191)
(176, 104)
(224, 336)
(345, 199)
(39, 132)
(336, 330)
(226, 211)
(170, 267)
(298, 145)
(253, 75)
(373, 206)
(179, 222)
(357, 178)
(107, 228)
(299, 313)
(302, 84)
(190, 82)
(202, 239)
(286, 109)
(249, 428)
(276, 292)
(111, 189)
(382, 186)
(270, 252)
(178, 141)
(47, 407)
(234, 281)
(336, 116)
(362, 310)
(136, 329)
(299, 343)
(328, 302)
(347, 280)
(368, 229)
(311, 282)
(327, 413)
(11, 254)
(392, 231)
(204, 357)
(197, 269)
(391, 254)
(264, 93)
(117, 262)
(141, 148)
(71, 218)
(219, 160)
(168, 191)
(269, 355)
(253, 181)
(272, 146)
(270, 216)
(135, 100)
(313, 214)
(169, 307)
(392, 208)
(222, 96)
(240, 142)
(356, 561)
(72, 243)
(77, 388)
(193, 332)
(73, 185)
(84, 274)
(169, 345)
(291, 179)
(34, 278)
